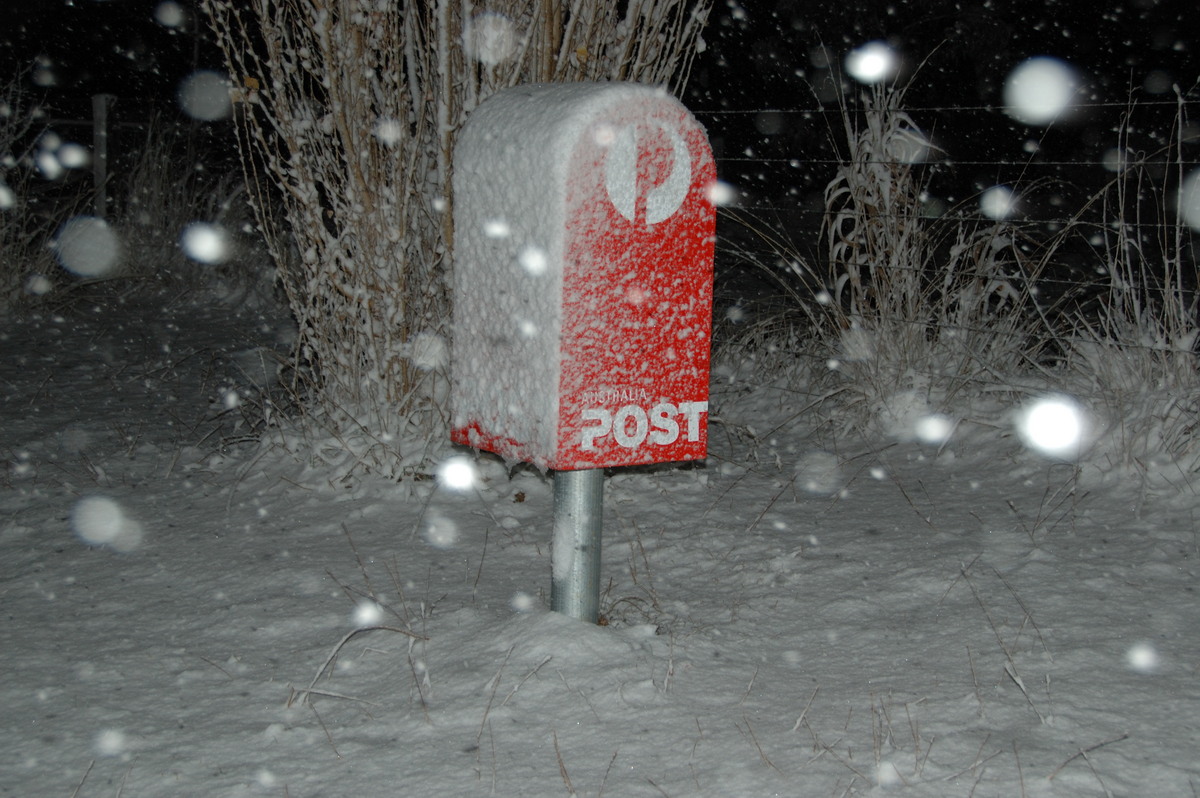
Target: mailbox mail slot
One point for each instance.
(583, 250)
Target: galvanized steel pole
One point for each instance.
(575, 554)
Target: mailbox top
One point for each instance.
(519, 143)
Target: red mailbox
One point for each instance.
(583, 249)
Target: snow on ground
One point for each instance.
(798, 617)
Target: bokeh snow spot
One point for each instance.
(1055, 426)
(522, 602)
(490, 38)
(874, 62)
(933, 428)
(888, 775)
(1189, 200)
(722, 194)
(908, 145)
(44, 75)
(74, 156)
(38, 285)
(1117, 159)
(389, 131)
(1143, 658)
(496, 228)
(998, 202)
(1040, 90)
(367, 613)
(87, 246)
(110, 742)
(100, 521)
(533, 260)
(857, 344)
(55, 156)
(204, 95)
(604, 134)
(428, 351)
(440, 532)
(48, 165)
(457, 473)
(169, 14)
(205, 243)
(819, 472)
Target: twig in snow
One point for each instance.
(242, 472)
(325, 693)
(988, 616)
(771, 504)
(128, 770)
(1020, 773)
(79, 786)
(325, 729)
(975, 680)
(754, 739)
(918, 760)
(492, 696)
(361, 565)
(218, 667)
(604, 779)
(492, 741)
(927, 519)
(800, 720)
(562, 766)
(978, 760)
(1011, 670)
(528, 676)
(962, 572)
(1024, 609)
(345, 639)
(487, 532)
(1083, 752)
(749, 687)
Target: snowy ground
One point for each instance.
(792, 619)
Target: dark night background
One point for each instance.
(761, 84)
(956, 57)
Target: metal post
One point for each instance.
(575, 554)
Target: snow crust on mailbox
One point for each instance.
(583, 249)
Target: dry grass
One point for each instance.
(1134, 357)
(164, 189)
(903, 316)
(27, 221)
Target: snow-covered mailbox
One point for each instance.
(583, 249)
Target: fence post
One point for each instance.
(101, 103)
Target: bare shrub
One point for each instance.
(1134, 354)
(904, 316)
(347, 116)
(165, 189)
(26, 224)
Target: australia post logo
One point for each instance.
(637, 292)
(647, 170)
(638, 424)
